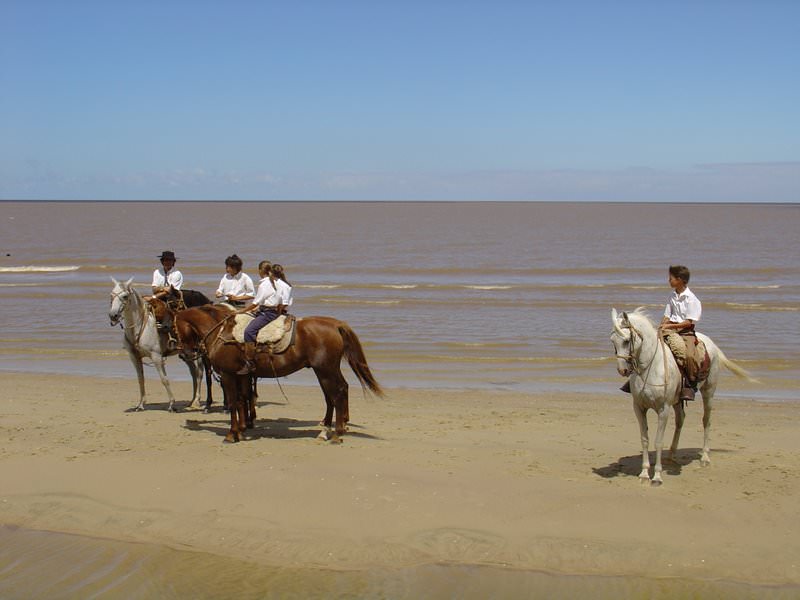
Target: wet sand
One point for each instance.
(526, 482)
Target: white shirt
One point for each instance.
(266, 295)
(683, 306)
(236, 285)
(271, 296)
(173, 278)
(284, 292)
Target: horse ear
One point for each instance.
(128, 283)
(613, 314)
(114, 280)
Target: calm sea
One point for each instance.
(513, 296)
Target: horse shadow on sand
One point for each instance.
(274, 428)
(631, 466)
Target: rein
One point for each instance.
(146, 312)
(633, 361)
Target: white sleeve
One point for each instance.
(694, 309)
(221, 282)
(249, 289)
(156, 279)
(176, 279)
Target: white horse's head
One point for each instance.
(119, 299)
(628, 328)
(621, 340)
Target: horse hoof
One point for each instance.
(705, 462)
(229, 439)
(656, 482)
(323, 436)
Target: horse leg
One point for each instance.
(230, 387)
(327, 420)
(194, 371)
(641, 417)
(335, 388)
(342, 405)
(250, 406)
(209, 382)
(679, 418)
(663, 417)
(159, 364)
(707, 391)
(245, 395)
(137, 365)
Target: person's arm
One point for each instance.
(219, 293)
(667, 324)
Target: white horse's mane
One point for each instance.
(642, 319)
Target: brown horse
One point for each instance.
(165, 314)
(320, 344)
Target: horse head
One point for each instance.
(622, 341)
(119, 299)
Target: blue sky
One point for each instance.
(420, 100)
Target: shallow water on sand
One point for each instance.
(37, 564)
(513, 296)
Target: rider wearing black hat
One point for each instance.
(167, 276)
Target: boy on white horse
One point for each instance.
(682, 312)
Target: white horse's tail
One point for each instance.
(726, 362)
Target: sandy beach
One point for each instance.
(538, 482)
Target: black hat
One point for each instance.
(168, 254)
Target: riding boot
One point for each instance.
(626, 387)
(687, 391)
(249, 359)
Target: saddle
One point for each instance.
(276, 335)
(697, 363)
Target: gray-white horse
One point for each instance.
(655, 382)
(142, 340)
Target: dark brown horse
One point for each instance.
(320, 344)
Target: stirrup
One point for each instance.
(687, 394)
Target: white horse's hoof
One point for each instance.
(656, 482)
(705, 461)
(323, 436)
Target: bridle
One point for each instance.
(126, 294)
(633, 360)
(630, 359)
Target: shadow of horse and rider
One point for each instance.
(631, 466)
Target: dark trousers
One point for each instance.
(265, 315)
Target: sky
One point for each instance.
(679, 101)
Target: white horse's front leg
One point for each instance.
(137, 365)
(159, 364)
(663, 417)
(641, 416)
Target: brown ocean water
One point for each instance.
(513, 296)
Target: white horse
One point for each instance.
(655, 382)
(142, 340)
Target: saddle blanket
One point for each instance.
(277, 334)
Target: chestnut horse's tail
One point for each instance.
(357, 360)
